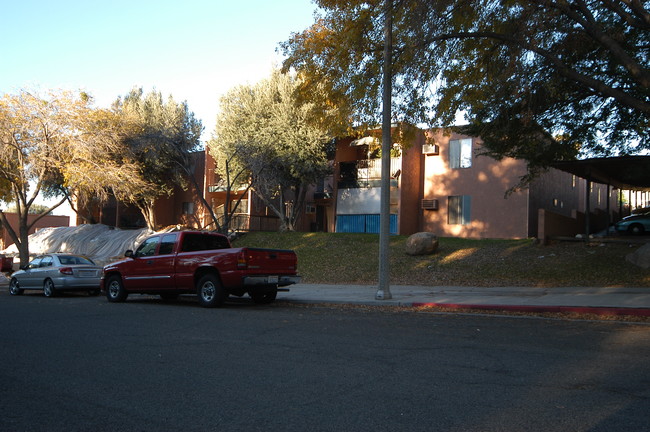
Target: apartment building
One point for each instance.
(441, 183)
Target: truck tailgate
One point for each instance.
(270, 261)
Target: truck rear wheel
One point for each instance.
(264, 296)
(210, 292)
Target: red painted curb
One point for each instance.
(560, 309)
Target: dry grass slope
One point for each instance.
(352, 258)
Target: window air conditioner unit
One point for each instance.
(430, 149)
(430, 204)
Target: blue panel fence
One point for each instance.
(367, 223)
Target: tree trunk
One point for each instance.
(299, 203)
(21, 239)
(285, 223)
(147, 209)
(23, 242)
(201, 196)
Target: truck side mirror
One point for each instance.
(128, 253)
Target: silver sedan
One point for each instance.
(57, 272)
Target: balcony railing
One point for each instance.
(364, 184)
(223, 188)
(371, 168)
(365, 173)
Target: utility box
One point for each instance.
(6, 263)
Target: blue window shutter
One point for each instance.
(467, 209)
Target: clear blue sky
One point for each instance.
(195, 50)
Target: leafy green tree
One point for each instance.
(266, 134)
(160, 145)
(540, 80)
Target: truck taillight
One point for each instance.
(66, 270)
(242, 263)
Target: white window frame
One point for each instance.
(460, 153)
(188, 208)
(459, 210)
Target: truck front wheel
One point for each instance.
(210, 292)
(115, 291)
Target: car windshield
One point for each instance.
(73, 259)
(35, 262)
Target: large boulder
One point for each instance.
(422, 243)
(640, 257)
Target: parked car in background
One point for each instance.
(638, 223)
(57, 272)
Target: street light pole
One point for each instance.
(383, 291)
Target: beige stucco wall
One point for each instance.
(492, 214)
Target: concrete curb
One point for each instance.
(603, 301)
(604, 311)
(585, 310)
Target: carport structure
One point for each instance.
(630, 173)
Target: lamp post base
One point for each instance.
(383, 295)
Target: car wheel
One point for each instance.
(636, 229)
(115, 291)
(264, 297)
(14, 287)
(48, 288)
(210, 291)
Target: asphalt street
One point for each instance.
(79, 363)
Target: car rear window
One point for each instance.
(72, 260)
(198, 242)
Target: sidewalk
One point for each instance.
(586, 300)
(601, 301)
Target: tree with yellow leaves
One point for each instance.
(58, 146)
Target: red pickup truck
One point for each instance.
(200, 263)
